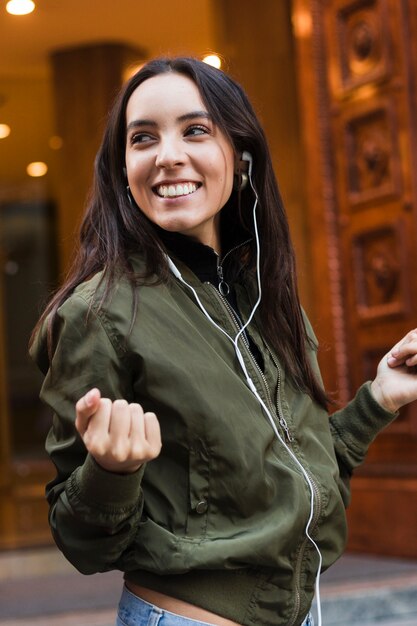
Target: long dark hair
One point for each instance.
(110, 230)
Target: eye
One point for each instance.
(196, 130)
(140, 138)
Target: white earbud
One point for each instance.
(246, 156)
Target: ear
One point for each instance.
(241, 165)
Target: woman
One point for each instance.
(181, 318)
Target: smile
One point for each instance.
(173, 191)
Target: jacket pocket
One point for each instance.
(199, 493)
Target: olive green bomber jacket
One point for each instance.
(219, 518)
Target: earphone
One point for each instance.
(246, 156)
(244, 171)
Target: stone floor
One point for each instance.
(39, 588)
(363, 591)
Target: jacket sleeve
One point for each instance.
(93, 513)
(354, 427)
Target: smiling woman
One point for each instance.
(191, 437)
(179, 163)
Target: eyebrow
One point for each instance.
(182, 118)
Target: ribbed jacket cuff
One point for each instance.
(97, 486)
(356, 426)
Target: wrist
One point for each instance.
(379, 395)
(93, 484)
(118, 468)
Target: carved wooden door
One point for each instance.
(358, 60)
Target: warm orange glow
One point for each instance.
(55, 142)
(131, 70)
(366, 92)
(37, 169)
(4, 131)
(302, 22)
(20, 7)
(214, 60)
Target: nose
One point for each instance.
(170, 153)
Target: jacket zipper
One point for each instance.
(288, 435)
(281, 417)
(300, 556)
(284, 425)
(223, 285)
(233, 316)
(314, 520)
(238, 324)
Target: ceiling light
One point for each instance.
(20, 7)
(214, 60)
(4, 131)
(36, 169)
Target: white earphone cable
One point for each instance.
(252, 386)
(265, 408)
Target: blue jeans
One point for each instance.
(134, 611)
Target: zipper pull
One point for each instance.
(287, 431)
(223, 286)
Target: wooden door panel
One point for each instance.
(358, 37)
(379, 269)
(362, 53)
(369, 166)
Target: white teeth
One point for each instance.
(173, 191)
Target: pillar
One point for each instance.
(85, 82)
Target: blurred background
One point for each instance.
(334, 83)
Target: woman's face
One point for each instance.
(179, 163)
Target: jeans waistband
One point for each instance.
(133, 611)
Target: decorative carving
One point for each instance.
(362, 41)
(372, 155)
(378, 269)
(382, 273)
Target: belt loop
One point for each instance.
(155, 616)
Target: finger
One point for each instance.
(96, 436)
(409, 339)
(153, 433)
(411, 361)
(404, 349)
(119, 429)
(137, 424)
(119, 425)
(85, 407)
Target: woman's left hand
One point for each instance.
(396, 380)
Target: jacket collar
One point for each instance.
(202, 260)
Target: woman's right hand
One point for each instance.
(119, 435)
